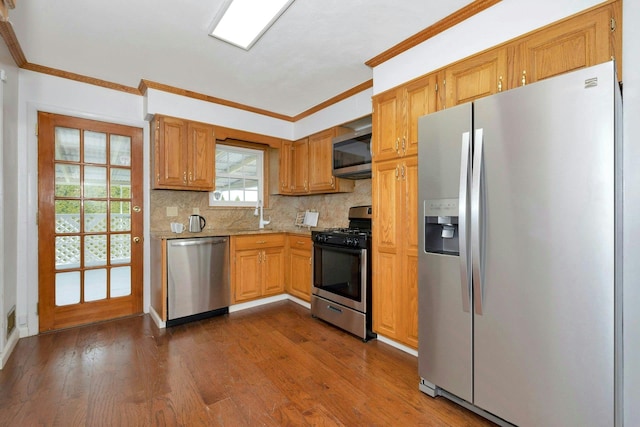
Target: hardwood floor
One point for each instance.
(272, 365)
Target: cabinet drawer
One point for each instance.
(300, 242)
(259, 241)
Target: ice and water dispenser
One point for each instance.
(441, 226)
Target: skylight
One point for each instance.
(243, 22)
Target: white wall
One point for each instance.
(188, 108)
(352, 108)
(631, 309)
(8, 199)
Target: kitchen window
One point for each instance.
(239, 177)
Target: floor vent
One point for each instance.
(11, 321)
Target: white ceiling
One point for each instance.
(315, 51)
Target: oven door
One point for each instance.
(340, 275)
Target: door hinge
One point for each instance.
(613, 24)
(36, 129)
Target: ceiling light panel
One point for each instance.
(243, 22)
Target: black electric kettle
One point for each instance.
(196, 223)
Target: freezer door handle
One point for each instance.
(465, 280)
(477, 221)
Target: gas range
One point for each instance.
(341, 292)
(357, 235)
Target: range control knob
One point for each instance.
(352, 241)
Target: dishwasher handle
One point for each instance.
(200, 241)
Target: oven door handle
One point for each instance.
(343, 249)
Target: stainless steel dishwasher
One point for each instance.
(197, 278)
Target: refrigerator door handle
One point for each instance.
(465, 279)
(477, 254)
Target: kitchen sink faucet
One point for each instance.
(260, 207)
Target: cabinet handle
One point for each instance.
(190, 177)
(261, 242)
(404, 145)
(333, 182)
(305, 185)
(397, 145)
(500, 84)
(184, 177)
(402, 172)
(299, 242)
(259, 257)
(397, 172)
(158, 177)
(524, 77)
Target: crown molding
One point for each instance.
(444, 24)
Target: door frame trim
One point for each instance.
(27, 301)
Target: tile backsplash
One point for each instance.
(333, 209)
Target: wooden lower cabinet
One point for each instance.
(257, 266)
(395, 250)
(299, 268)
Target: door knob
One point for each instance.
(136, 209)
(136, 239)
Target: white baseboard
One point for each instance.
(156, 318)
(397, 345)
(299, 302)
(8, 348)
(257, 303)
(239, 307)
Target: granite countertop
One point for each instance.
(227, 232)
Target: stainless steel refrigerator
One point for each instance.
(520, 259)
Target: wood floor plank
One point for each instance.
(271, 365)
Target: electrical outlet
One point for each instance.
(172, 211)
(196, 211)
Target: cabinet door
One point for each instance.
(300, 162)
(387, 125)
(475, 77)
(201, 149)
(410, 252)
(420, 100)
(248, 275)
(320, 159)
(285, 166)
(299, 271)
(387, 251)
(570, 45)
(272, 271)
(171, 155)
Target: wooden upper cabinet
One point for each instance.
(201, 149)
(477, 76)
(285, 168)
(420, 99)
(395, 117)
(578, 42)
(300, 166)
(183, 154)
(171, 160)
(306, 166)
(387, 124)
(321, 179)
